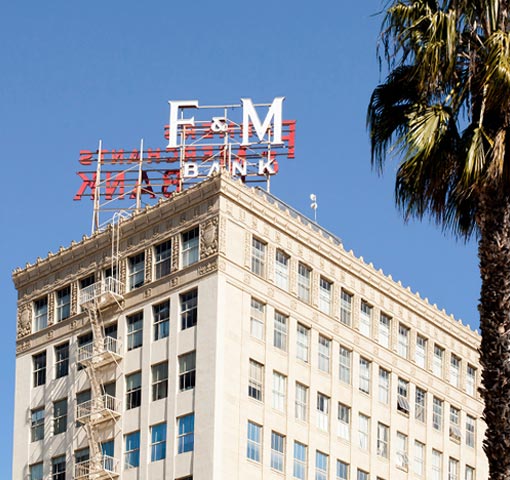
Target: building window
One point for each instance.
(136, 271)
(39, 365)
(470, 380)
(365, 319)
(437, 364)
(403, 396)
(58, 468)
(324, 353)
(189, 309)
(419, 404)
(134, 330)
(419, 458)
(470, 473)
(437, 414)
(185, 433)
(345, 308)
(437, 460)
(59, 416)
(161, 315)
(453, 469)
(322, 412)
(299, 470)
(190, 246)
(384, 385)
(254, 436)
(344, 371)
(455, 371)
(280, 331)
(37, 424)
(82, 404)
(384, 330)
(158, 442)
(325, 294)
(403, 341)
(363, 431)
(279, 389)
(81, 455)
(402, 457)
(187, 364)
(257, 314)
(40, 314)
(132, 455)
(85, 344)
(361, 475)
(304, 282)
(277, 451)
(133, 390)
(63, 303)
(342, 470)
(163, 259)
(159, 381)
(420, 354)
(454, 430)
(470, 431)
(258, 257)
(344, 422)
(303, 342)
(364, 375)
(256, 380)
(62, 360)
(36, 471)
(281, 270)
(301, 401)
(321, 466)
(107, 449)
(382, 440)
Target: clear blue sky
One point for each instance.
(75, 72)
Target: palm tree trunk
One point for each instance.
(494, 308)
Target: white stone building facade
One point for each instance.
(224, 335)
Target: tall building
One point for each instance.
(222, 335)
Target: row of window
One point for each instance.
(366, 324)
(136, 265)
(159, 390)
(279, 402)
(322, 461)
(134, 327)
(185, 437)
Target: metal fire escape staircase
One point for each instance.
(97, 358)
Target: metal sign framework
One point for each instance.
(247, 149)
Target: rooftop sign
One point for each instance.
(246, 140)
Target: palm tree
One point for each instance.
(444, 114)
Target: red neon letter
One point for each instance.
(85, 157)
(86, 183)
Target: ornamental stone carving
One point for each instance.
(25, 345)
(51, 309)
(209, 238)
(175, 252)
(223, 236)
(148, 265)
(24, 321)
(207, 268)
(74, 298)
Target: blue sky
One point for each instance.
(75, 72)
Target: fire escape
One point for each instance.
(99, 414)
